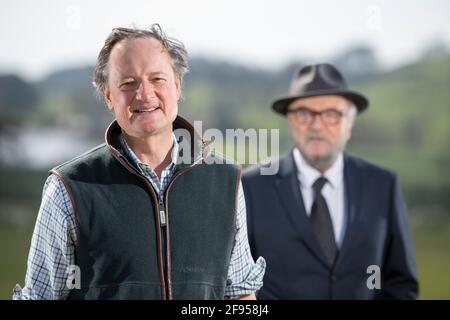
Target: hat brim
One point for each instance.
(360, 101)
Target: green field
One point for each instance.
(14, 245)
(431, 239)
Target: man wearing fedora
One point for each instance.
(330, 225)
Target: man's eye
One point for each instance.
(303, 112)
(128, 85)
(332, 114)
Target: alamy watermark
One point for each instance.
(74, 277)
(73, 21)
(374, 280)
(247, 147)
(374, 18)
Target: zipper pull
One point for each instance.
(162, 212)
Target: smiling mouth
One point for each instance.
(144, 110)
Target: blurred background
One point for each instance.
(242, 55)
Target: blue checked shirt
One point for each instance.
(52, 250)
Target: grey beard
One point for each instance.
(321, 163)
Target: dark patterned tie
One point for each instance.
(321, 222)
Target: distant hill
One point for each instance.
(406, 127)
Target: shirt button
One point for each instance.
(229, 282)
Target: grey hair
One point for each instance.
(174, 47)
(353, 111)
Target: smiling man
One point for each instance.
(327, 219)
(131, 219)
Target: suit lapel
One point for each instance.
(288, 190)
(353, 194)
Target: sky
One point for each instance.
(38, 37)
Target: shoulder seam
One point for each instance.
(80, 156)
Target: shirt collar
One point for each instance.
(136, 161)
(308, 174)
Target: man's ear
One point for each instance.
(349, 129)
(107, 97)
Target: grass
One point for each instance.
(432, 245)
(14, 246)
(431, 236)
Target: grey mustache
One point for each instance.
(316, 137)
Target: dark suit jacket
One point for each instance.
(377, 233)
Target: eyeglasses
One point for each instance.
(328, 116)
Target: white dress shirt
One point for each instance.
(333, 191)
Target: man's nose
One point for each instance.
(317, 122)
(145, 92)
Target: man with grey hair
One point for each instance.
(330, 225)
(131, 218)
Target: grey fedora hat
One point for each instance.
(318, 80)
